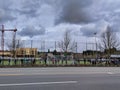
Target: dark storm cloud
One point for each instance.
(74, 11)
(31, 31)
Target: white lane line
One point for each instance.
(11, 74)
(110, 73)
(38, 83)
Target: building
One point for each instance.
(5, 53)
(26, 52)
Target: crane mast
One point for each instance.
(2, 38)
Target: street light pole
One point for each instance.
(95, 44)
(31, 49)
(76, 47)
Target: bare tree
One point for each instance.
(67, 45)
(13, 45)
(109, 40)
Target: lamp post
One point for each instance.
(76, 46)
(31, 49)
(95, 44)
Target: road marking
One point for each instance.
(11, 74)
(38, 83)
(50, 73)
(109, 73)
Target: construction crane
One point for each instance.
(2, 38)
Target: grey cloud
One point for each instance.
(115, 21)
(33, 8)
(31, 31)
(5, 16)
(107, 10)
(104, 12)
(89, 12)
(73, 11)
(28, 12)
(91, 28)
(5, 12)
(30, 7)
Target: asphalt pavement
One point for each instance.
(60, 78)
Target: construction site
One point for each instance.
(40, 52)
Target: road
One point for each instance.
(60, 78)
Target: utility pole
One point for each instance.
(31, 43)
(55, 45)
(2, 41)
(95, 44)
(43, 46)
(76, 47)
(31, 48)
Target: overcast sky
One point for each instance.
(48, 19)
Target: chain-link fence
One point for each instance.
(48, 53)
(44, 45)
